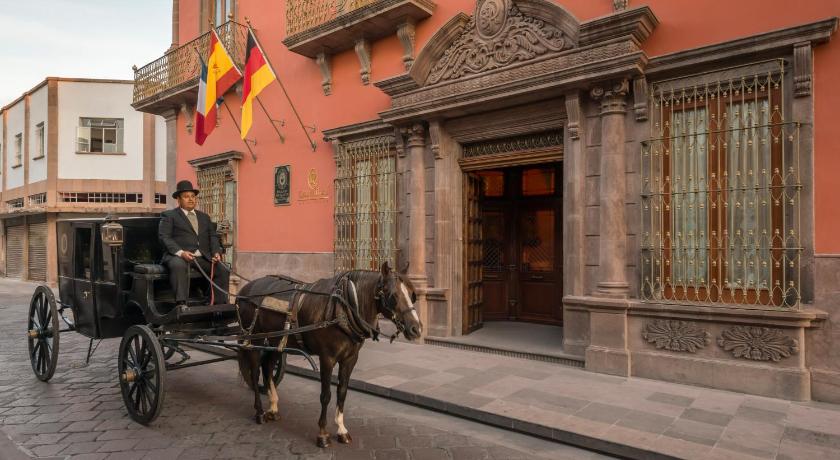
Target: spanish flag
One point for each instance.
(217, 76)
(258, 75)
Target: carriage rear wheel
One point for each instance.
(42, 333)
(142, 372)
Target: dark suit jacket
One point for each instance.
(176, 234)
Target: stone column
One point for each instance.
(171, 118)
(612, 257)
(176, 23)
(416, 150)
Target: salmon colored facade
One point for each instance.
(596, 91)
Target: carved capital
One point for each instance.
(613, 98)
(399, 142)
(323, 60)
(573, 112)
(406, 35)
(363, 52)
(415, 135)
(620, 5)
(640, 98)
(758, 343)
(434, 137)
(802, 69)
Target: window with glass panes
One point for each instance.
(100, 135)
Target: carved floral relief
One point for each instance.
(758, 343)
(498, 35)
(676, 335)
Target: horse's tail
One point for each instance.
(244, 366)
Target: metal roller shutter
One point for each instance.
(14, 251)
(38, 251)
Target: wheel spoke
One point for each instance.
(144, 398)
(136, 397)
(41, 361)
(150, 394)
(147, 356)
(131, 359)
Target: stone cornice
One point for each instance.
(731, 314)
(636, 22)
(225, 157)
(765, 45)
(358, 130)
(574, 68)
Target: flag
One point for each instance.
(218, 74)
(258, 75)
(221, 71)
(205, 110)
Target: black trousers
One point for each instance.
(179, 278)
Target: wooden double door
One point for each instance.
(521, 228)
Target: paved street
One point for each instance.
(208, 413)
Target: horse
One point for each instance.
(368, 292)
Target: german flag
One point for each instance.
(258, 75)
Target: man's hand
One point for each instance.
(217, 257)
(188, 256)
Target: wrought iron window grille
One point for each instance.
(721, 191)
(366, 204)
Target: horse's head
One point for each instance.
(395, 300)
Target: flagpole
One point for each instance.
(271, 120)
(283, 87)
(244, 141)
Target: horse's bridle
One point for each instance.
(389, 305)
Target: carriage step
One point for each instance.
(187, 313)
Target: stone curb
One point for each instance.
(500, 421)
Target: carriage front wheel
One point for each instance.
(142, 372)
(42, 333)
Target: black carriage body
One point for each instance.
(95, 280)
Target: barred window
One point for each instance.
(99, 197)
(218, 198)
(37, 199)
(17, 203)
(721, 192)
(365, 207)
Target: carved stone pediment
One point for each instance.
(500, 34)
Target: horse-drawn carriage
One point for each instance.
(110, 286)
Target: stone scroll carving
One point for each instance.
(498, 35)
(676, 335)
(758, 343)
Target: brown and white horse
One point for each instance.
(385, 292)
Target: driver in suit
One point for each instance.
(188, 237)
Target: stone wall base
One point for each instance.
(786, 383)
(307, 267)
(608, 361)
(825, 385)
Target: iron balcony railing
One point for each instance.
(303, 15)
(179, 69)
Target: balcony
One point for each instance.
(172, 80)
(331, 26)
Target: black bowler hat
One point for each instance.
(184, 186)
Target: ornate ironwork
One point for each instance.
(179, 69)
(523, 143)
(365, 204)
(302, 15)
(721, 191)
(676, 335)
(218, 198)
(758, 343)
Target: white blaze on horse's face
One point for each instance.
(409, 302)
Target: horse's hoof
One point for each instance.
(323, 441)
(272, 416)
(260, 418)
(344, 438)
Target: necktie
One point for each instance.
(193, 220)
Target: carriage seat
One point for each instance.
(158, 269)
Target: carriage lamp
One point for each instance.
(112, 232)
(225, 230)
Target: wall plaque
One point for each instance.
(282, 187)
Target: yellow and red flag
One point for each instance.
(217, 76)
(258, 75)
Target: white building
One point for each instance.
(73, 148)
